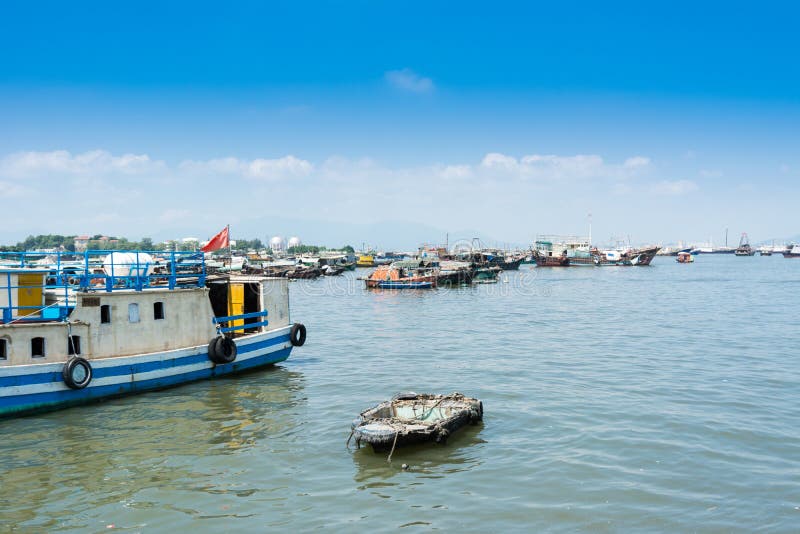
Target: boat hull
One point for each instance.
(512, 265)
(552, 261)
(40, 387)
(454, 278)
(391, 284)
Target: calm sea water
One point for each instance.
(663, 398)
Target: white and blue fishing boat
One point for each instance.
(127, 322)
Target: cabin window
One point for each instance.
(105, 313)
(37, 347)
(74, 345)
(3, 349)
(158, 310)
(133, 312)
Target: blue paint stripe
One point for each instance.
(243, 327)
(229, 318)
(57, 399)
(118, 370)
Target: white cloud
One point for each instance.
(260, 169)
(565, 166)
(551, 167)
(12, 190)
(636, 162)
(91, 162)
(455, 172)
(271, 169)
(495, 160)
(408, 80)
(450, 192)
(677, 187)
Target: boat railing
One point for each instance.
(237, 322)
(93, 271)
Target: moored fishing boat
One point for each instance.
(564, 251)
(498, 258)
(485, 275)
(414, 418)
(684, 257)
(552, 261)
(453, 273)
(544, 256)
(578, 251)
(744, 248)
(365, 260)
(301, 272)
(138, 323)
(792, 251)
(403, 275)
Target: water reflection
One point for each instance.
(66, 466)
(463, 451)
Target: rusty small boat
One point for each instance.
(415, 418)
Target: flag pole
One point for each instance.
(230, 249)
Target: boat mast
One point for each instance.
(590, 230)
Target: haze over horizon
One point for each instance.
(371, 122)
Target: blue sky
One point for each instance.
(394, 122)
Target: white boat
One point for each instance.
(133, 326)
(791, 251)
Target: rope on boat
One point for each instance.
(347, 444)
(396, 433)
(430, 411)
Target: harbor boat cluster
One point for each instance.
(434, 267)
(574, 251)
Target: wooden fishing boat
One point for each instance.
(684, 257)
(547, 259)
(454, 273)
(415, 418)
(397, 276)
(304, 273)
(330, 270)
(485, 275)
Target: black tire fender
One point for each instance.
(77, 373)
(222, 350)
(297, 335)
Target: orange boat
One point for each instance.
(402, 277)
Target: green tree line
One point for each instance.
(67, 243)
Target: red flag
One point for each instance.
(221, 240)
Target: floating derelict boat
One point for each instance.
(136, 323)
(415, 418)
